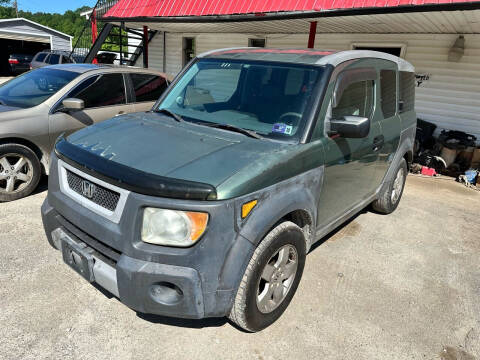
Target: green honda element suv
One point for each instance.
(207, 205)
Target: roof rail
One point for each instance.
(62, 52)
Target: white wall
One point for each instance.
(450, 99)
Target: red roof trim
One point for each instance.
(196, 8)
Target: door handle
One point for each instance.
(120, 113)
(378, 142)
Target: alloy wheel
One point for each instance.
(397, 185)
(16, 173)
(277, 278)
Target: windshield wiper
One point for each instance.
(170, 113)
(234, 128)
(2, 102)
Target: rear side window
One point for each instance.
(148, 87)
(357, 100)
(54, 59)
(407, 91)
(101, 90)
(40, 57)
(65, 60)
(388, 86)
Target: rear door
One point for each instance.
(105, 97)
(390, 121)
(146, 89)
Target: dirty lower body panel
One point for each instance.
(144, 286)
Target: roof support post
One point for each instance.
(164, 52)
(122, 25)
(311, 36)
(93, 19)
(145, 46)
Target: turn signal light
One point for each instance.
(248, 207)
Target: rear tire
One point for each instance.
(20, 171)
(271, 278)
(390, 195)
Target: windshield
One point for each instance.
(34, 87)
(268, 98)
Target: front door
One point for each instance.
(104, 96)
(350, 163)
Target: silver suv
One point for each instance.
(38, 106)
(51, 57)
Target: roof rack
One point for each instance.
(62, 52)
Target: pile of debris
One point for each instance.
(453, 153)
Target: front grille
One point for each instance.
(102, 196)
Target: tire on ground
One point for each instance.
(36, 171)
(384, 204)
(245, 312)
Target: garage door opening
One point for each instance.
(9, 46)
(392, 49)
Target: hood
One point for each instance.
(156, 144)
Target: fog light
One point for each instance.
(166, 293)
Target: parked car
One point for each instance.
(38, 106)
(251, 156)
(19, 63)
(51, 57)
(106, 57)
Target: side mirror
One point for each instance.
(350, 127)
(73, 104)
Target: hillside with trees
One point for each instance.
(70, 22)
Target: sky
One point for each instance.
(51, 6)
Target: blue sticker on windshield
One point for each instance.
(282, 128)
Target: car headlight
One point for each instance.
(172, 227)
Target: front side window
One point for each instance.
(357, 100)
(101, 90)
(388, 85)
(54, 59)
(148, 87)
(268, 98)
(34, 87)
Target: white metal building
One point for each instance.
(24, 36)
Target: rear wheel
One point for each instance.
(389, 197)
(271, 278)
(20, 172)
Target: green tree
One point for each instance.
(70, 22)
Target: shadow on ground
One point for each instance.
(42, 185)
(185, 323)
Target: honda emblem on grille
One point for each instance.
(88, 189)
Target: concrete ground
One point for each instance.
(403, 286)
(3, 79)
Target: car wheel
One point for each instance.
(390, 196)
(20, 171)
(271, 278)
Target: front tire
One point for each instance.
(20, 171)
(390, 196)
(271, 278)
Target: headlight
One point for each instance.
(172, 227)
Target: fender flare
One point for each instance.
(274, 203)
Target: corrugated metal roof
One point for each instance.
(177, 8)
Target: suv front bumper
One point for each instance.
(144, 286)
